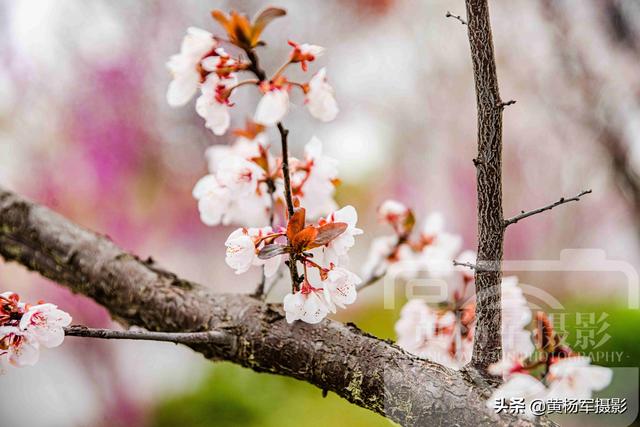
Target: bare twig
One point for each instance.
(481, 267)
(188, 338)
(548, 207)
(506, 104)
(371, 280)
(458, 17)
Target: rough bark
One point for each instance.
(487, 346)
(366, 371)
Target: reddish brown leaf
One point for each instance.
(296, 223)
(327, 233)
(262, 20)
(304, 238)
(270, 251)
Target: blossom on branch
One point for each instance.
(304, 53)
(243, 246)
(185, 66)
(320, 99)
(274, 104)
(552, 371)
(24, 328)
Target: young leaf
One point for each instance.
(303, 239)
(262, 20)
(328, 232)
(272, 250)
(296, 223)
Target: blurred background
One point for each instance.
(85, 129)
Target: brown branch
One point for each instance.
(487, 347)
(506, 104)
(187, 338)
(458, 17)
(366, 371)
(548, 207)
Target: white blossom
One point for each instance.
(576, 378)
(516, 316)
(209, 105)
(272, 108)
(336, 251)
(307, 305)
(240, 176)
(307, 50)
(440, 247)
(184, 66)
(213, 200)
(45, 323)
(392, 212)
(22, 349)
(340, 288)
(430, 334)
(381, 249)
(320, 99)
(317, 184)
(242, 251)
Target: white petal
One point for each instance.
(272, 108)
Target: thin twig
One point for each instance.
(458, 17)
(284, 133)
(174, 337)
(371, 280)
(271, 188)
(562, 201)
(506, 104)
(476, 267)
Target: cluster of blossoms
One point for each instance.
(407, 254)
(245, 183)
(443, 332)
(552, 370)
(24, 328)
(270, 197)
(203, 64)
(538, 368)
(321, 248)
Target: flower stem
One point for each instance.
(281, 70)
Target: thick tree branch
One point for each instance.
(548, 207)
(487, 346)
(364, 370)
